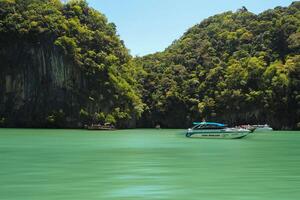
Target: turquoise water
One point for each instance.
(147, 164)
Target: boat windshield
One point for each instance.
(209, 126)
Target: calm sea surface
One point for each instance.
(147, 164)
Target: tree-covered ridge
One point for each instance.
(233, 67)
(108, 92)
(63, 65)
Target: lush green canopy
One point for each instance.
(232, 67)
(109, 92)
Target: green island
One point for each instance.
(65, 69)
(63, 66)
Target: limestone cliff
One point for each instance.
(63, 65)
(37, 81)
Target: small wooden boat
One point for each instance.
(105, 127)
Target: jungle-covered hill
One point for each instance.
(234, 67)
(63, 65)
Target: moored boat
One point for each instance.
(106, 126)
(249, 127)
(265, 127)
(216, 131)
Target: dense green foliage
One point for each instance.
(90, 43)
(234, 68)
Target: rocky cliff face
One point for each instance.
(37, 82)
(63, 65)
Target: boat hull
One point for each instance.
(263, 129)
(219, 134)
(100, 129)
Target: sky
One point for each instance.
(149, 26)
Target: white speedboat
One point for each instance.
(216, 131)
(262, 128)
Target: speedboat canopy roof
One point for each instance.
(209, 123)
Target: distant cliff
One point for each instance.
(62, 65)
